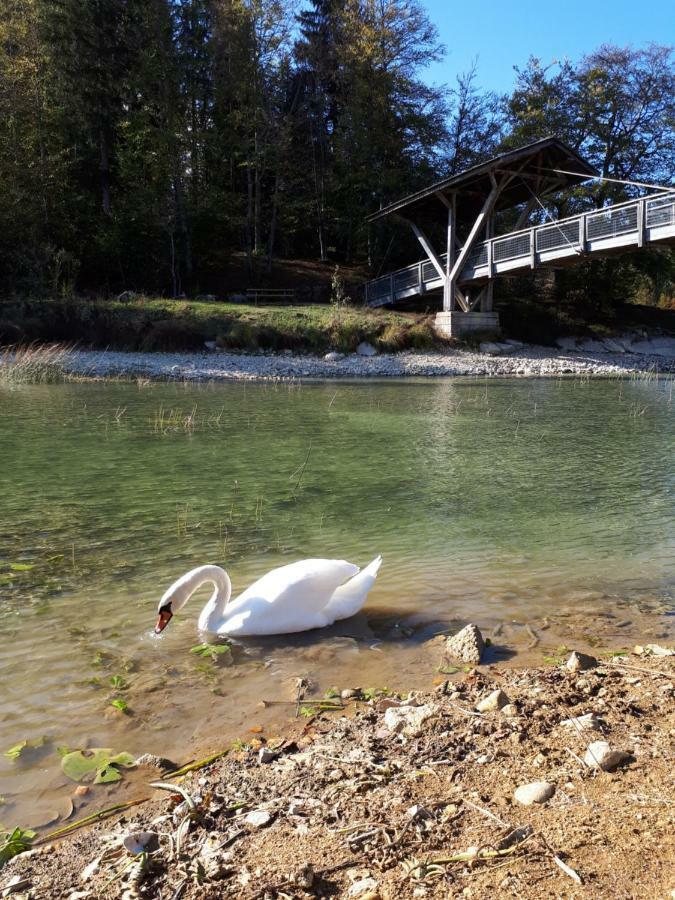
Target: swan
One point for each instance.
(311, 593)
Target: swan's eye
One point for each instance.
(164, 618)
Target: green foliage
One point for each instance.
(17, 750)
(121, 705)
(211, 651)
(14, 842)
(98, 764)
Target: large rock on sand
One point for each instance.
(467, 645)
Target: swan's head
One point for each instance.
(179, 593)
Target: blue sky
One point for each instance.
(502, 34)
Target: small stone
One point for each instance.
(350, 694)
(494, 701)
(408, 720)
(362, 886)
(259, 818)
(535, 792)
(210, 345)
(265, 755)
(467, 645)
(601, 756)
(587, 722)
(366, 349)
(82, 789)
(150, 761)
(580, 662)
(418, 812)
(510, 711)
(15, 884)
(304, 877)
(333, 356)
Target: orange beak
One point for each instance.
(165, 616)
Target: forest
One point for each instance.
(146, 144)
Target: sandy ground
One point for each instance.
(411, 797)
(220, 366)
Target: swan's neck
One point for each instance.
(185, 587)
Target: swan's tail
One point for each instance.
(348, 599)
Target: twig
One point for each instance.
(198, 765)
(642, 669)
(175, 789)
(94, 817)
(578, 758)
(567, 870)
(486, 812)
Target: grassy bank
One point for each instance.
(157, 324)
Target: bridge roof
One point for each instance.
(532, 165)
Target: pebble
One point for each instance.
(494, 701)
(535, 792)
(589, 721)
(600, 755)
(208, 366)
(408, 720)
(510, 710)
(258, 818)
(265, 755)
(467, 645)
(362, 886)
(350, 694)
(580, 662)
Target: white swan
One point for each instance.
(308, 594)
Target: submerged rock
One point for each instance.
(467, 645)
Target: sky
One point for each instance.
(502, 35)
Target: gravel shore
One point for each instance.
(548, 782)
(528, 361)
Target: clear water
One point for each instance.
(508, 503)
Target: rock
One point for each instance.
(418, 812)
(215, 860)
(259, 818)
(365, 349)
(408, 720)
(494, 701)
(265, 755)
(467, 645)
(588, 722)
(141, 841)
(333, 356)
(362, 886)
(350, 694)
(210, 345)
(535, 792)
(491, 348)
(601, 756)
(653, 650)
(150, 761)
(510, 711)
(303, 877)
(15, 884)
(580, 662)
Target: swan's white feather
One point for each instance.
(288, 599)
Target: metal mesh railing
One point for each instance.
(661, 211)
(611, 222)
(565, 234)
(555, 237)
(511, 247)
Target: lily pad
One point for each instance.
(101, 763)
(32, 744)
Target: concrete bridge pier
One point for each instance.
(456, 323)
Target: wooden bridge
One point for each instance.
(464, 273)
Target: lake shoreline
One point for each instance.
(528, 361)
(423, 795)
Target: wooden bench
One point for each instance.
(271, 295)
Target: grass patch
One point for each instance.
(158, 324)
(34, 364)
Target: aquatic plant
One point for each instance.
(30, 744)
(14, 842)
(34, 364)
(211, 651)
(101, 763)
(121, 705)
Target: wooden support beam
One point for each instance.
(428, 249)
(530, 206)
(477, 225)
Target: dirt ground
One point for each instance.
(350, 805)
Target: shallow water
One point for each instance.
(509, 503)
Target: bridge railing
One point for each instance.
(574, 234)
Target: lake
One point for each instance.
(541, 510)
